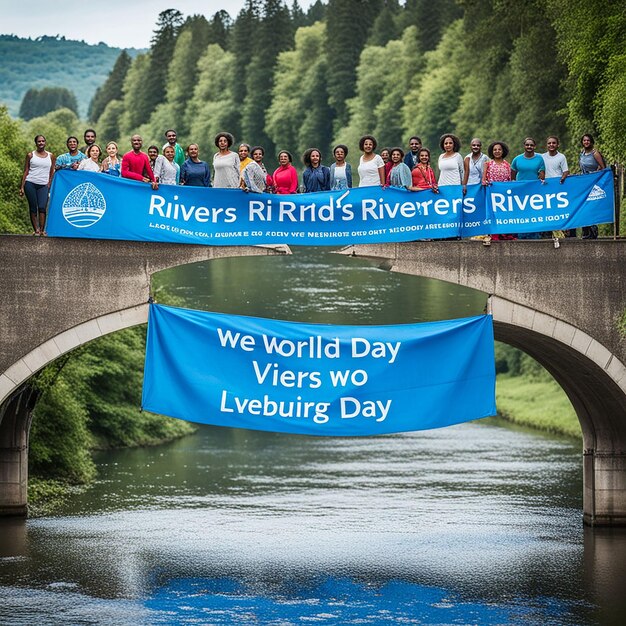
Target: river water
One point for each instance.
(474, 524)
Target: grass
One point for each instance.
(539, 404)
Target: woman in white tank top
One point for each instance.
(36, 180)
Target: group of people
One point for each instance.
(245, 169)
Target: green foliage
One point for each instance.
(13, 149)
(299, 115)
(38, 102)
(53, 61)
(273, 35)
(57, 127)
(213, 107)
(111, 89)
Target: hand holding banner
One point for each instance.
(263, 374)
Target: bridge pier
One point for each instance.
(15, 419)
(564, 307)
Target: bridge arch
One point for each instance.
(561, 306)
(57, 294)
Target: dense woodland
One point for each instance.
(285, 78)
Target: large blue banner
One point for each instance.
(91, 205)
(315, 379)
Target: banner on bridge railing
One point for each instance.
(98, 206)
(317, 379)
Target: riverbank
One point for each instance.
(540, 404)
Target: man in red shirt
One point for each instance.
(136, 164)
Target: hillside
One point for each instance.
(53, 62)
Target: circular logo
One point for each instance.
(84, 205)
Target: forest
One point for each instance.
(284, 78)
(291, 79)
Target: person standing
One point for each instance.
(422, 175)
(590, 160)
(90, 138)
(179, 153)
(92, 162)
(194, 172)
(340, 171)
(528, 166)
(474, 164)
(254, 176)
(316, 177)
(226, 174)
(244, 156)
(166, 170)
(36, 181)
(371, 165)
(400, 173)
(556, 167)
(451, 165)
(69, 160)
(285, 175)
(136, 164)
(111, 164)
(497, 170)
(412, 158)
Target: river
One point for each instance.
(479, 523)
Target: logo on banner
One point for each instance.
(84, 205)
(597, 193)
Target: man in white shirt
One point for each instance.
(555, 162)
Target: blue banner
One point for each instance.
(314, 379)
(97, 206)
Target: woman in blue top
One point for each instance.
(528, 166)
(590, 161)
(399, 174)
(340, 171)
(194, 172)
(316, 177)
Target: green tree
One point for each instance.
(241, 44)
(134, 115)
(109, 121)
(385, 26)
(299, 116)
(111, 89)
(220, 27)
(346, 34)
(382, 78)
(431, 19)
(213, 107)
(37, 102)
(273, 35)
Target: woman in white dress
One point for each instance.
(371, 165)
(451, 165)
(225, 163)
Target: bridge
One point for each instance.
(563, 306)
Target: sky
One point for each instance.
(119, 23)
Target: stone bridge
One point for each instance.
(562, 306)
(57, 294)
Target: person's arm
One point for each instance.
(25, 174)
(565, 168)
(462, 169)
(381, 175)
(349, 175)
(465, 171)
(599, 159)
(485, 181)
(53, 161)
(541, 174)
(207, 175)
(513, 170)
(293, 186)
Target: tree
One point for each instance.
(241, 43)
(299, 116)
(220, 28)
(37, 102)
(273, 36)
(134, 99)
(112, 87)
(213, 107)
(346, 34)
(431, 19)
(153, 89)
(385, 26)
